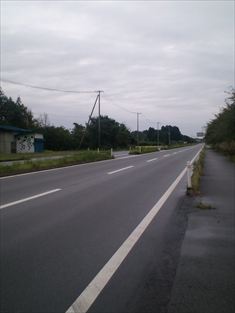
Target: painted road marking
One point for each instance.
(127, 157)
(151, 160)
(92, 291)
(166, 155)
(119, 170)
(29, 198)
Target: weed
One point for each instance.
(198, 172)
(28, 156)
(143, 149)
(149, 149)
(205, 206)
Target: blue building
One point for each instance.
(19, 140)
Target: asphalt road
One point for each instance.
(53, 245)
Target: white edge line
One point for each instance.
(29, 198)
(119, 170)
(92, 291)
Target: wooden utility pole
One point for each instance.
(158, 123)
(137, 113)
(169, 135)
(99, 122)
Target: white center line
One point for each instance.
(152, 160)
(29, 198)
(121, 169)
(166, 155)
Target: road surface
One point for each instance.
(61, 227)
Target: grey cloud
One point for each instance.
(170, 60)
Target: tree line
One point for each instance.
(113, 134)
(221, 130)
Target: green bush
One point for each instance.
(143, 149)
(227, 148)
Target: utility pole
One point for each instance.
(99, 125)
(90, 116)
(158, 123)
(137, 113)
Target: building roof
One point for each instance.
(14, 129)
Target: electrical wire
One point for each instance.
(46, 88)
(107, 98)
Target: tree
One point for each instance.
(77, 133)
(222, 127)
(43, 120)
(123, 136)
(15, 113)
(112, 134)
(57, 138)
(152, 134)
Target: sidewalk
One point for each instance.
(205, 277)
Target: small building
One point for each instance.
(19, 140)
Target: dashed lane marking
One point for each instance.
(29, 198)
(151, 160)
(119, 170)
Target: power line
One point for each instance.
(117, 105)
(46, 88)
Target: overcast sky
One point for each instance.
(171, 61)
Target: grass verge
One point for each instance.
(198, 172)
(232, 158)
(27, 156)
(31, 166)
(143, 149)
(149, 149)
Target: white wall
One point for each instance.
(25, 144)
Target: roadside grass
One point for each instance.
(28, 156)
(77, 158)
(149, 149)
(232, 158)
(174, 146)
(198, 167)
(143, 149)
(227, 148)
